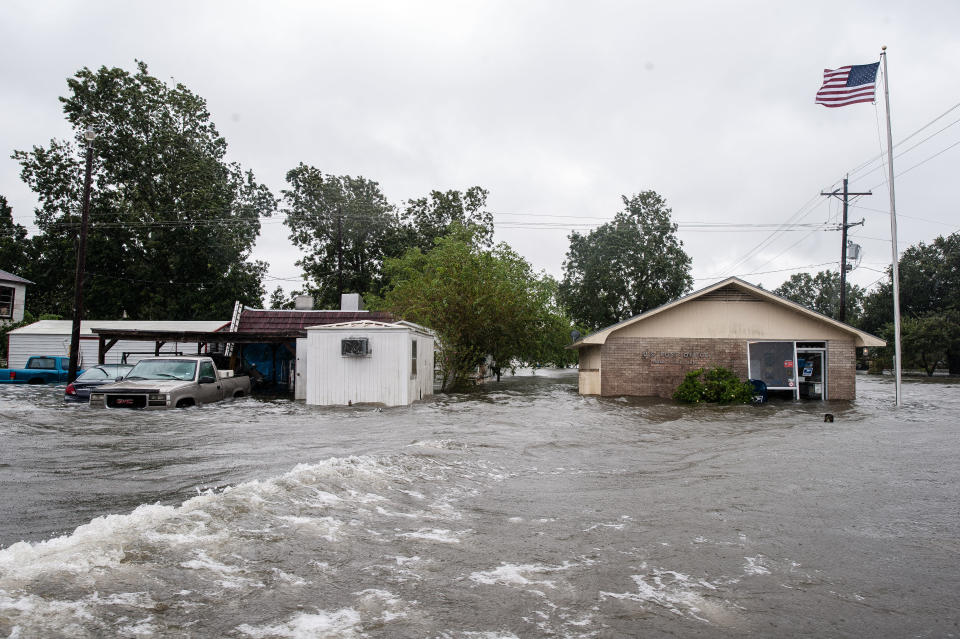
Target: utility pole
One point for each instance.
(89, 135)
(844, 195)
(339, 253)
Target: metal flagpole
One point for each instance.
(893, 234)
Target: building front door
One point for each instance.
(812, 373)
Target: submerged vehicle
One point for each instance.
(40, 369)
(171, 382)
(93, 377)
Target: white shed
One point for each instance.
(52, 337)
(368, 362)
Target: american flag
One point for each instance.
(848, 85)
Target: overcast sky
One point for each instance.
(557, 108)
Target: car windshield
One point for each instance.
(104, 371)
(182, 369)
(93, 373)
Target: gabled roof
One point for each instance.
(10, 277)
(264, 320)
(600, 337)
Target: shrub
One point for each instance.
(718, 385)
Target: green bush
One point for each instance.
(718, 385)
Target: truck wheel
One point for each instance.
(184, 403)
(238, 394)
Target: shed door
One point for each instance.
(300, 370)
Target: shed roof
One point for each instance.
(6, 276)
(862, 337)
(64, 327)
(262, 320)
(370, 324)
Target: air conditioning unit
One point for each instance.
(355, 347)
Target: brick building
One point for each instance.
(733, 324)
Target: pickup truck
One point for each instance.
(171, 382)
(40, 369)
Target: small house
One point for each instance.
(13, 291)
(368, 362)
(758, 335)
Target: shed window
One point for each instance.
(413, 358)
(354, 347)
(6, 301)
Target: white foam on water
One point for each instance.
(47, 616)
(520, 575)
(339, 624)
(434, 534)
(96, 545)
(143, 628)
(373, 607)
(755, 566)
(223, 574)
(325, 527)
(676, 592)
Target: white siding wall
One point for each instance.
(334, 380)
(382, 377)
(23, 345)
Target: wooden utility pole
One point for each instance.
(844, 196)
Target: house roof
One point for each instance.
(265, 321)
(600, 337)
(10, 277)
(64, 327)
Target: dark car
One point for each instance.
(79, 390)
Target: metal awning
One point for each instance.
(110, 336)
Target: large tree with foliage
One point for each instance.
(13, 241)
(172, 223)
(480, 302)
(821, 293)
(345, 226)
(627, 266)
(929, 287)
(427, 218)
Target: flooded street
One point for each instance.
(521, 510)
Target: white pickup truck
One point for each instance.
(171, 382)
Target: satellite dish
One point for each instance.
(574, 336)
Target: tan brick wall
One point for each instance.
(654, 366)
(842, 373)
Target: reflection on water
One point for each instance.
(521, 510)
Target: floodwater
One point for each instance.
(521, 510)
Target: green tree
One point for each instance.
(479, 302)
(427, 218)
(925, 341)
(929, 285)
(172, 224)
(821, 293)
(344, 225)
(13, 241)
(627, 266)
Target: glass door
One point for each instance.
(811, 373)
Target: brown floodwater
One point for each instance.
(519, 510)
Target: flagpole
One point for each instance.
(893, 234)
